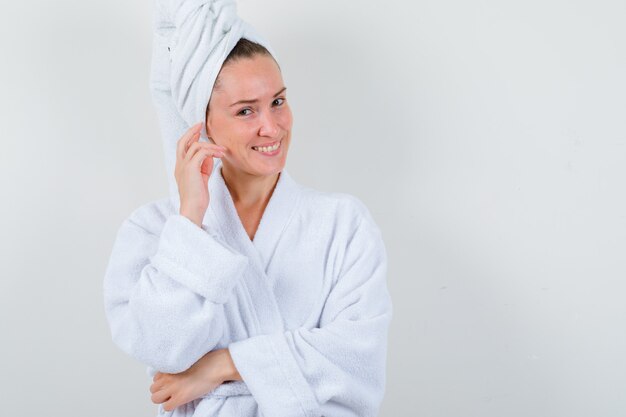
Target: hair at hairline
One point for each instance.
(244, 48)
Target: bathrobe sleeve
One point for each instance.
(338, 368)
(164, 293)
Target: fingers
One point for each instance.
(196, 146)
(192, 132)
(199, 157)
(170, 404)
(158, 383)
(161, 391)
(155, 387)
(206, 166)
(160, 396)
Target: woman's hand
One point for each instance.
(194, 164)
(203, 377)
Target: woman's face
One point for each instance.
(264, 119)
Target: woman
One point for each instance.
(246, 293)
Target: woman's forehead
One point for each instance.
(249, 82)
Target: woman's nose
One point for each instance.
(269, 127)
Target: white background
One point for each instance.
(488, 138)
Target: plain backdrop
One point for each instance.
(488, 139)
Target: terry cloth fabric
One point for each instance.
(303, 307)
(192, 38)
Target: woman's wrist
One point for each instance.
(194, 218)
(230, 372)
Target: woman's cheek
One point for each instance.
(286, 118)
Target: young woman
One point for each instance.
(244, 292)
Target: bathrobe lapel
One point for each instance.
(222, 216)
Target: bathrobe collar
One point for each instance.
(222, 218)
(222, 215)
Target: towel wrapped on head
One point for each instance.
(199, 36)
(191, 41)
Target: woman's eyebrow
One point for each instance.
(256, 99)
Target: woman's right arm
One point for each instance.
(164, 293)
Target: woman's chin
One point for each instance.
(269, 166)
(270, 170)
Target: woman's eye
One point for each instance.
(280, 103)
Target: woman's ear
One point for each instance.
(207, 131)
(208, 134)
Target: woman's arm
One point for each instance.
(337, 369)
(174, 390)
(164, 293)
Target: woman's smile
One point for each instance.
(258, 136)
(271, 149)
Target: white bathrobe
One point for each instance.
(303, 308)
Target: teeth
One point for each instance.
(267, 148)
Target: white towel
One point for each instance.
(192, 38)
(303, 308)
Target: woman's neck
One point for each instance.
(247, 190)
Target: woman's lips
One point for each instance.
(265, 144)
(270, 149)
